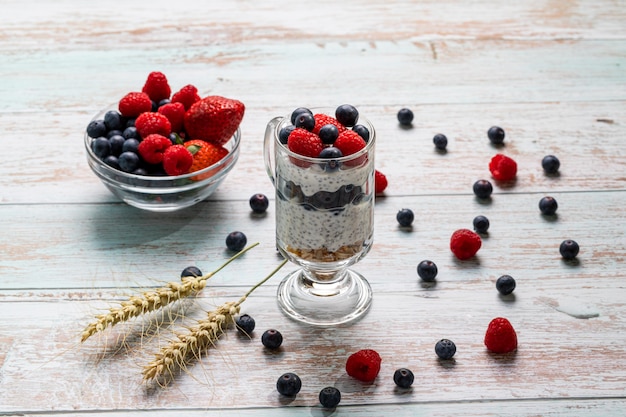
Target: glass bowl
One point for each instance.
(163, 193)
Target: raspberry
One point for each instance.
(134, 103)
(204, 154)
(464, 243)
(177, 160)
(156, 87)
(364, 365)
(186, 95)
(380, 181)
(349, 142)
(502, 167)
(500, 336)
(305, 143)
(322, 120)
(175, 113)
(151, 122)
(152, 147)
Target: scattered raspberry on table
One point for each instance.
(500, 336)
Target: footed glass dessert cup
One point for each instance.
(324, 224)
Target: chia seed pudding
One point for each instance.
(324, 215)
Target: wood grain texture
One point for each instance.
(550, 72)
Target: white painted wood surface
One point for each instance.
(551, 73)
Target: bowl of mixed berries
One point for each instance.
(160, 151)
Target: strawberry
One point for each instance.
(380, 181)
(322, 120)
(204, 154)
(305, 143)
(214, 119)
(152, 147)
(134, 103)
(464, 243)
(156, 87)
(151, 122)
(364, 365)
(186, 95)
(502, 167)
(175, 113)
(177, 160)
(500, 336)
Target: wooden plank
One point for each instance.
(586, 136)
(83, 246)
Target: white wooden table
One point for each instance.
(552, 73)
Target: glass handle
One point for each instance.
(268, 147)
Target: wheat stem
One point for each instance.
(153, 300)
(189, 346)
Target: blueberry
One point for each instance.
(236, 241)
(405, 217)
(101, 147)
(155, 106)
(164, 101)
(505, 284)
(298, 111)
(191, 271)
(128, 161)
(548, 205)
(112, 162)
(362, 131)
(330, 397)
(427, 270)
(259, 203)
(283, 134)
(289, 384)
(113, 120)
(569, 249)
(130, 122)
(550, 164)
(405, 117)
(347, 115)
(445, 349)
(112, 133)
(175, 138)
(272, 339)
(140, 171)
(131, 133)
(330, 153)
(245, 324)
(96, 128)
(305, 121)
(403, 378)
(328, 134)
(483, 189)
(496, 135)
(481, 224)
(131, 145)
(117, 143)
(441, 141)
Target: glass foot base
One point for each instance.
(324, 304)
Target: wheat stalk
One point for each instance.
(189, 346)
(153, 300)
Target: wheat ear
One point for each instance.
(189, 346)
(153, 300)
